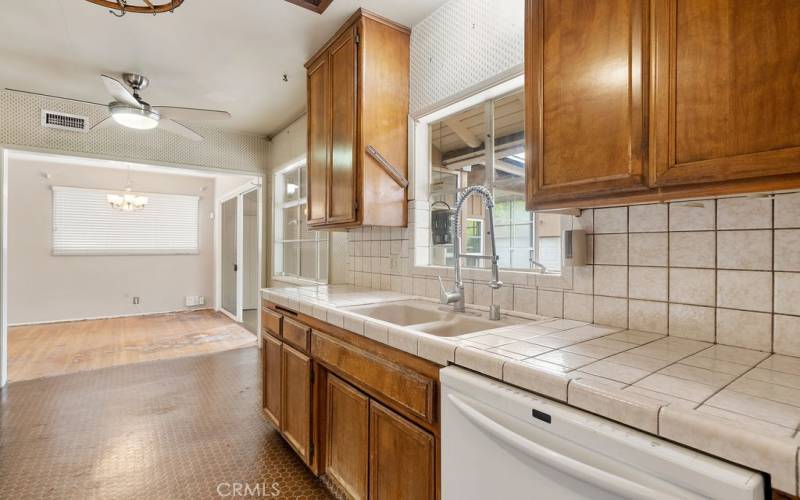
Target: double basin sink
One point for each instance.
(435, 319)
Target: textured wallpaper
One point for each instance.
(462, 44)
(20, 125)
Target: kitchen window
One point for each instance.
(462, 155)
(298, 252)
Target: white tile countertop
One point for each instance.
(739, 404)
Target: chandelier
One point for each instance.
(121, 7)
(127, 201)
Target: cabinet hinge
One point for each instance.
(311, 452)
(313, 376)
(358, 37)
(355, 206)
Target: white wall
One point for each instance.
(43, 287)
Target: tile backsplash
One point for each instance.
(725, 271)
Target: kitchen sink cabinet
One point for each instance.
(357, 87)
(271, 380)
(296, 402)
(401, 456)
(347, 437)
(363, 413)
(654, 100)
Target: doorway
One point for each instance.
(239, 255)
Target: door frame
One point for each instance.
(239, 194)
(5, 149)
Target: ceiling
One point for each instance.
(217, 54)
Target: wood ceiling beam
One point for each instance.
(463, 133)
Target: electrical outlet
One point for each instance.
(394, 263)
(136, 300)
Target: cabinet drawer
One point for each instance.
(296, 334)
(271, 322)
(408, 389)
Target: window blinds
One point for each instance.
(85, 224)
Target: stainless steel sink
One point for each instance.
(432, 318)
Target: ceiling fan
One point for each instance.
(130, 110)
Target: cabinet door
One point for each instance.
(401, 457)
(347, 437)
(342, 173)
(297, 401)
(271, 383)
(319, 119)
(585, 64)
(726, 79)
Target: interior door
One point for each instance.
(230, 264)
(342, 173)
(250, 250)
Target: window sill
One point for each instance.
(562, 280)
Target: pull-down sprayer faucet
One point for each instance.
(456, 295)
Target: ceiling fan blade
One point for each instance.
(119, 92)
(55, 97)
(191, 114)
(177, 128)
(104, 123)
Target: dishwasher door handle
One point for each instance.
(612, 483)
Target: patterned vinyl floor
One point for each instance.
(187, 428)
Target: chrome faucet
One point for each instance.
(456, 295)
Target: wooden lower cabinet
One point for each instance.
(272, 377)
(296, 399)
(401, 457)
(371, 411)
(347, 437)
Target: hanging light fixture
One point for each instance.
(121, 7)
(127, 201)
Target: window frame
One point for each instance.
(420, 176)
(278, 205)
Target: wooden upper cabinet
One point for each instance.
(727, 88)
(358, 97)
(634, 101)
(318, 140)
(585, 67)
(342, 171)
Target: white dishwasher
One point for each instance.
(502, 442)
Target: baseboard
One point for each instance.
(72, 320)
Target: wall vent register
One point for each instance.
(63, 121)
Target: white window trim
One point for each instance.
(276, 220)
(419, 193)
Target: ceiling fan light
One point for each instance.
(136, 118)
